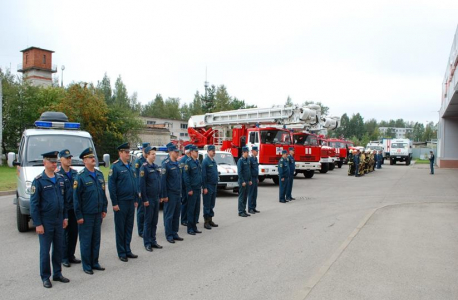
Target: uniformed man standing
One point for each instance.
(283, 175)
(209, 184)
(171, 194)
(351, 165)
(356, 162)
(193, 184)
(90, 204)
(140, 209)
(244, 174)
(292, 169)
(124, 194)
(253, 188)
(48, 209)
(184, 194)
(150, 188)
(71, 232)
(431, 162)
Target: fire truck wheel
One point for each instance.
(309, 173)
(339, 164)
(261, 179)
(331, 166)
(324, 168)
(276, 180)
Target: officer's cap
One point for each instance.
(211, 147)
(51, 156)
(244, 149)
(149, 148)
(65, 153)
(284, 152)
(124, 146)
(291, 148)
(89, 152)
(172, 148)
(255, 148)
(145, 145)
(194, 148)
(188, 147)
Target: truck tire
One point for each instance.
(276, 180)
(324, 168)
(22, 220)
(339, 164)
(309, 173)
(295, 173)
(331, 166)
(261, 179)
(383, 161)
(407, 161)
(392, 161)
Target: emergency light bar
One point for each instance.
(65, 125)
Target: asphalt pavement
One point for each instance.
(391, 234)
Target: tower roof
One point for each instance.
(30, 48)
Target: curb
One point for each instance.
(7, 193)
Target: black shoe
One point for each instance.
(66, 264)
(47, 284)
(61, 279)
(292, 198)
(251, 211)
(98, 268)
(131, 255)
(207, 225)
(123, 259)
(74, 261)
(184, 223)
(178, 238)
(171, 241)
(197, 222)
(282, 201)
(212, 224)
(191, 233)
(256, 211)
(157, 246)
(90, 272)
(140, 235)
(243, 215)
(197, 231)
(149, 248)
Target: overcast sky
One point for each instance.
(383, 59)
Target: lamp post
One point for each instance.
(62, 79)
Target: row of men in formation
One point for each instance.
(67, 203)
(363, 162)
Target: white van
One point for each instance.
(400, 150)
(227, 170)
(52, 132)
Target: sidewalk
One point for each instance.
(406, 251)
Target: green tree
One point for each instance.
(105, 87)
(289, 102)
(400, 123)
(390, 133)
(356, 125)
(222, 99)
(208, 99)
(172, 108)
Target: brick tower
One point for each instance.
(37, 66)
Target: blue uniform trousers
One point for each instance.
(124, 225)
(283, 185)
(172, 215)
(140, 217)
(53, 236)
(184, 207)
(356, 170)
(151, 218)
(253, 194)
(70, 237)
(431, 165)
(289, 187)
(243, 196)
(193, 210)
(209, 201)
(90, 235)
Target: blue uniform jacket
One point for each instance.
(122, 183)
(292, 165)
(192, 175)
(150, 182)
(244, 170)
(356, 159)
(182, 161)
(89, 194)
(283, 168)
(48, 199)
(254, 166)
(138, 164)
(171, 178)
(68, 186)
(209, 172)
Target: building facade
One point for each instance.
(37, 66)
(400, 132)
(178, 129)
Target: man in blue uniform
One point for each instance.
(124, 194)
(193, 184)
(71, 232)
(140, 209)
(356, 161)
(184, 194)
(48, 209)
(283, 175)
(171, 194)
(244, 174)
(90, 204)
(431, 162)
(292, 169)
(209, 184)
(253, 188)
(150, 188)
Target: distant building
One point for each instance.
(37, 66)
(178, 129)
(400, 132)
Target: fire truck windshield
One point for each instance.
(308, 140)
(275, 137)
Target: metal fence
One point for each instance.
(422, 153)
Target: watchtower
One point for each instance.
(37, 66)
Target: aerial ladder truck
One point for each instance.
(261, 127)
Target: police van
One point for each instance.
(227, 170)
(52, 132)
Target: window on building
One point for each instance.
(150, 122)
(44, 59)
(184, 126)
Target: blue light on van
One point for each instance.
(65, 125)
(43, 124)
(162, 149)
(72, 125)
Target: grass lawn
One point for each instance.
(7, 178)
(422, 161)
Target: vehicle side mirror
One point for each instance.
(106, 160)
(11, 159)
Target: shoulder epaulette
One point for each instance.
(145, 164)
(38, 176)
(81, 171)
(116, 161)
(98, 171)
(59, 175)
